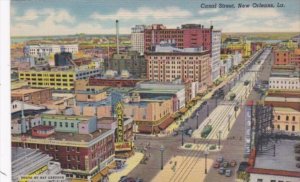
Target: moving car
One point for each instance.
(222, 170)
(220, 159)
(216, 165)
(206, 130)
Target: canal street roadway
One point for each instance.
(218, 118)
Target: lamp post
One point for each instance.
(197, 119)
(219, 143)
(181, 129)
(206, 154)
(162, 149)
(207, 110)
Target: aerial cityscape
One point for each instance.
(161, 91)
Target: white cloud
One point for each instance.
(144, 13)
(206, 11)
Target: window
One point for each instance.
(55, 124)
(286, 127)
(72, 125)
(68, 149)
(78, 158)
(46, 147)
(293, 128)
(294, 118)
(60, 124)
(56, 147)
(259, 180)
(278, 127)
(278, 117)
(287, 118)
(77, 149)
(68, 157)
(66, 124)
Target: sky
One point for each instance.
(65, 17)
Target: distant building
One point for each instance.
(215, 54)
(137, 38)
(44, 50)
(58, 79)
(295, 57)
(63, 59)
(284, 80)
(23, 164)
(131, 61)
(287, 119)
(282, 56)
(168, 63)
(189, 35)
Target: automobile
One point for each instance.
(221, 170)
(216, 165)
(190, 132)
(246, 82)
(225, 164)
(139, 180)
(175, 133)
(242, 168)
(233, 163)
(220, 159)
(228, 172)
(123, 179)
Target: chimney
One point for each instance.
(117, 32)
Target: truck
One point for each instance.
(206, 130)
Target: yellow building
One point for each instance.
(243, 47)
(286, 119)
(58, 80)
(290, 44)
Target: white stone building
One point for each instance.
(284, 81)
(137, 38)
(45, 50)
(215, 54)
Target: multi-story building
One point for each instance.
(295, 57)
(189, 35)
(44, 50)
(137, 38)
(24, 167)
(32, 96)
(286, 119)
(232, 45)
(167, 64)
(282, 56)
(215, 54)
(57, 79)
(75, 141)
(284, 80)
(131, 61)
(90, 96)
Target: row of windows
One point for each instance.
(291, 87)
(287, 118)
(285, 82)
(52, 84)
(287, 127)
(46, 75)
(55, 123)
(155, 57)
(261, 180)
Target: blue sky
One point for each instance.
(61, 17)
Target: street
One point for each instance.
(221, 116)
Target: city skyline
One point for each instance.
(41, 18)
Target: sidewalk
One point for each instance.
(131, 163)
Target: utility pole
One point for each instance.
(181, 136)
(219, 144)
(207, 110)
(229, 116)
(206, 154)
(197, 119)
(162, 157)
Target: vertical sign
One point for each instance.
(115, 98)
(120, 129)
(248, 119)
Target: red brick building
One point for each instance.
(282, 57)
(189, 35)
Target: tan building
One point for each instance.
(169, 66)
(286, 119)
(90, 96)
(33, 96)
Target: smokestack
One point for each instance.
(117, 32)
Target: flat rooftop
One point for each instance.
(282, 99)
(24, 91)
(283, 160)
(284, 109)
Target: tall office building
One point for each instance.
(137, 38)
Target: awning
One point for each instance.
(166, 123)
(145, 129)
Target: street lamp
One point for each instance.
(207, 110)
(197, 119)
(181, 129)
(219, 144)
(162, 149)
(205, 154)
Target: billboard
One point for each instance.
(115, 98)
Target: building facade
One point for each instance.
(284, 82)
(32, 96)
(282, 57)
(286, 119)
(44, 50)
(189, 35)
(169, 66)
(215, 54)
(132, 61)
(137, 38)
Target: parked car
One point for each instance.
(233, 163)
(220, 159)
(225, 164)
(221, 170)
(216, 165)
(228, 172)
(139, 180)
